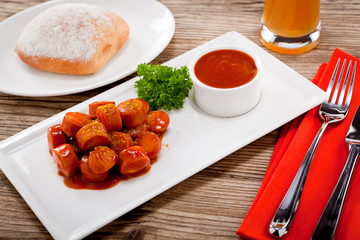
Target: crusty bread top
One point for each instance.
(68, 32)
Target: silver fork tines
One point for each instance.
(332, 80)
(349, 93)
(343, 89)
(330, 111)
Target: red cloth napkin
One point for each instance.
(294, 140)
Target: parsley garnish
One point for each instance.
(163, 87)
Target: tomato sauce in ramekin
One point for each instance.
(225, 68)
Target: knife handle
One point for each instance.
(329, 219)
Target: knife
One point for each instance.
(329, 219)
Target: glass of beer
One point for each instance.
(290, 26)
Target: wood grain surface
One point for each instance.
(213, 203)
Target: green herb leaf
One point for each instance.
(163, 87)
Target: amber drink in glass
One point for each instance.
(290, 26)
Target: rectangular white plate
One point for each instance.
(193, 142)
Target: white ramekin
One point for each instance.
(227, 102)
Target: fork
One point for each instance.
(334, 109)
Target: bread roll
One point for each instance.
(72, 39)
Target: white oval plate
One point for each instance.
(152, 26)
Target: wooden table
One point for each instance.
(213, 203)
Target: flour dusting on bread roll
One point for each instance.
(72, 39)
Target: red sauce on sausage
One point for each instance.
(114, 177)
(104, 172)
(226, 68)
